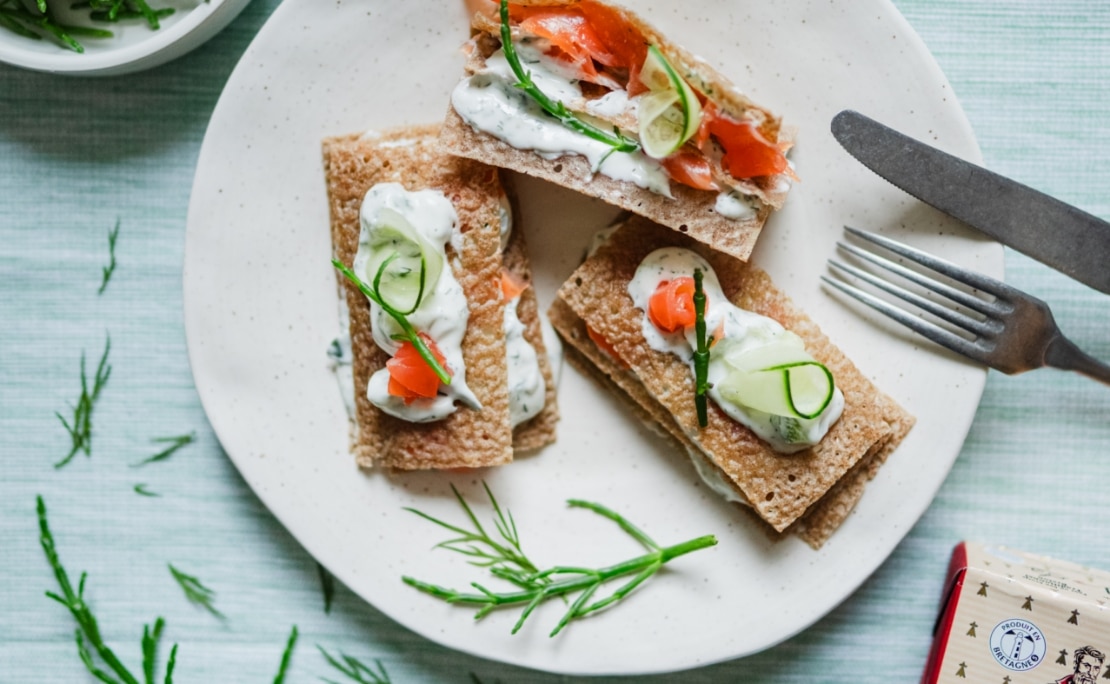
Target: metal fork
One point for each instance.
(1017, 332)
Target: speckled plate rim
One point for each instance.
(260, 311)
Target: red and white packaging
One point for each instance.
(1015, 618)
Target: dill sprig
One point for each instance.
(327, 586)
(88, 628)
(141, 489)
(175, 443)
(80, 429)
(195, 591)
(373, 293)
(286, 656)
(617, 140)
(354, 669)
(37, 20)
(701, 354)
(536, 587)
(111, 267)
(505, 558)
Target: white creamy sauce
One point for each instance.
(505, 215)
(443, 313)
(600, 238)
(744, 329)
(713, 478)
(526, 386)
(613, 104)
(491, 103)
(735, 205)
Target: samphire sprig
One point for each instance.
(34, 21)
(354, 669)
(195, 591)
(373, 293)
(107, 271)
(505, 558)
(701, 353)
(87, 627)
(534, 588)
(286, 656)
(80, 429)
(175, 443)
(617, 140)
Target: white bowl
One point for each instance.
(135, 46)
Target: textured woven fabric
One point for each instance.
(78, 155)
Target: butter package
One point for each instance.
(1015, 618)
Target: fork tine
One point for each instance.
(957, 273)
(956, 318)
(961, 298)
(920, 325)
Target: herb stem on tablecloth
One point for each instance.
(108, 270)
(88, 628)
(195, 591)
(354, 669)
(79, 426)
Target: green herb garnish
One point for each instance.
(617, 140)
(111, 267)
(701, 354)
(175, 443)
(354, 669)
(80, 430)
(327, 585)
(286, 656)
(505, 558)
(36, 20)
(195, 591)
(87, 627)
(141, 489)
(535, 587)
(408, 332)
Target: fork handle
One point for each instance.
(1062, 353)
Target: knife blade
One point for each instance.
(1056, 234)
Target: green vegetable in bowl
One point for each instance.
(35, 19)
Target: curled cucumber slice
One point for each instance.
(402, 263)
(780, 379)
(671, 113)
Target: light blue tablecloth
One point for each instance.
(76, 155)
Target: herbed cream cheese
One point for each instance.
(442, 313)
(742, 330)
(490, 102)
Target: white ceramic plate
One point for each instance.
(134, 45)
(260, 308)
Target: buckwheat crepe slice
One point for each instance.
(823, 518)
(692, 211)
(467, 438)
(780, 488)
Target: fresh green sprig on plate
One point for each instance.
(88, 628)
(79, 426)
(536, 587)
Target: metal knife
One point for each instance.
(1042, 227)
